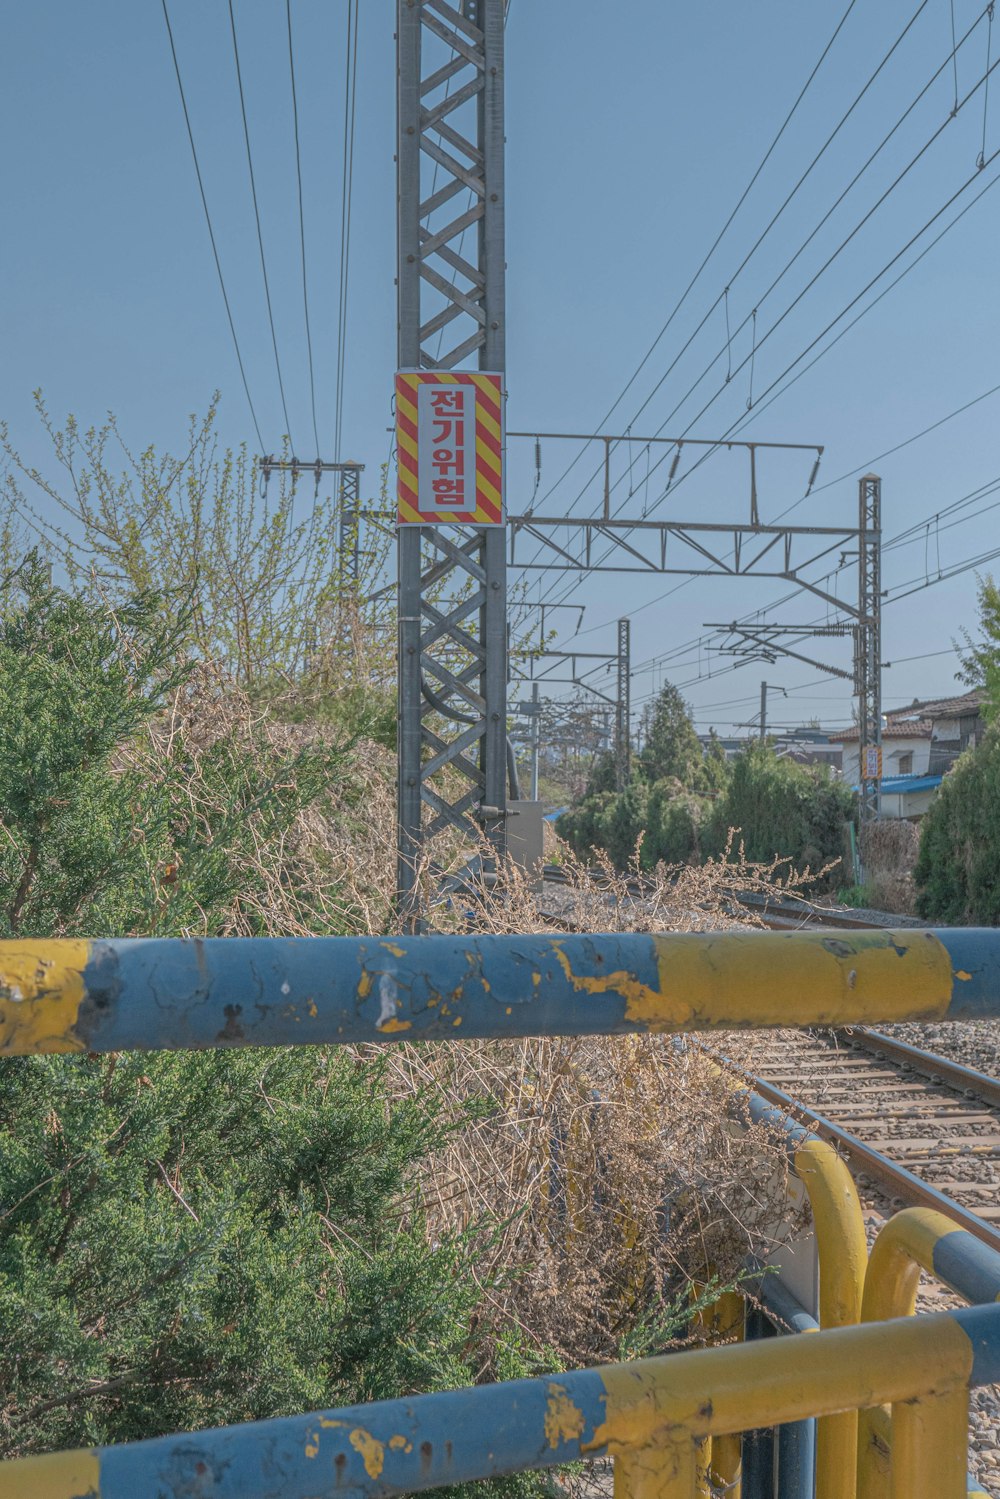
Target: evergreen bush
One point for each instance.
(958, 870)
(781, 809)
(192, 1239)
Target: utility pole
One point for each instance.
(452, 579)
(868, 646)
(348, 506)
(536, 736)
(765, 687)
(623, 747)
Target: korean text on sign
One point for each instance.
(449, 444)
(446, 423)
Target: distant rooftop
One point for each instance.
(942, 707)
(920, 728)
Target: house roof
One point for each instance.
(943, 707)
(906, 785)
(920, 729)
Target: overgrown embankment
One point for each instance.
(197, 1239)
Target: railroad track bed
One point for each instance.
(934, 1117)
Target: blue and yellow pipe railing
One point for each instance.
(656, 1418)
(842, 1251)
(170, 994)
(651, 1416)
(915, 1240)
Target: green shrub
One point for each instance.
(582, 825)
(673, 820)
(958, 868)
(781, 810)
(622, 823)
(194, 1240)
(188, 1240)
(671, 748)
(105, 833)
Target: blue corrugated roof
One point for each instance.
(904, 785)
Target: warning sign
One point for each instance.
(449, 439)
(872, 768)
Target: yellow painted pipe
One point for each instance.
(930, 1447)
(727, 1451)
(714, 1391)
(843, 1259)
(650, 1414)
(666, 1471)
(904, 1247)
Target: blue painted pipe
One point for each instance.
(388, 1448)
(796, 1458)
(171, 994)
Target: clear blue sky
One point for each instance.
(632, 130)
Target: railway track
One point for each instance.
(917, 1128)
(779, 915)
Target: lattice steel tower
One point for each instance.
(452, 582)
(868, 640)
(623, 714)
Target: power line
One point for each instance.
(211, 231)
(834, 256)
(849, 474)
(715, 245)
(256, 213)
(346, 193)
(830, 260)
(774, 219)
(302, 223)
(742, 421)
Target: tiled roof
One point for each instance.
(944, 707)
(920, 729)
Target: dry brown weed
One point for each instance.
(605, 1174)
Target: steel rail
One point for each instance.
(927, 1063)
(904, 1184)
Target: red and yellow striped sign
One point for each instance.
(449, 438)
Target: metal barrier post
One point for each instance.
(667, 1472)
(929, 1446)
(915, 1239)
(796, 1439)
(758, 1445)
(725, 1468)
(843, 1258)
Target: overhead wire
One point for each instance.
(347, 186)
(818, 274)
(716, 242)
(883, 197)
(211, 231)
(256, 211)
(302, 224)
(770, 225)
(891, 594)
(772, 391)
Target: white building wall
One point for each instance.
(892, 750)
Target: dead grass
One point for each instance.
(612, 1166)
(889, 849)
(602, 1176)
